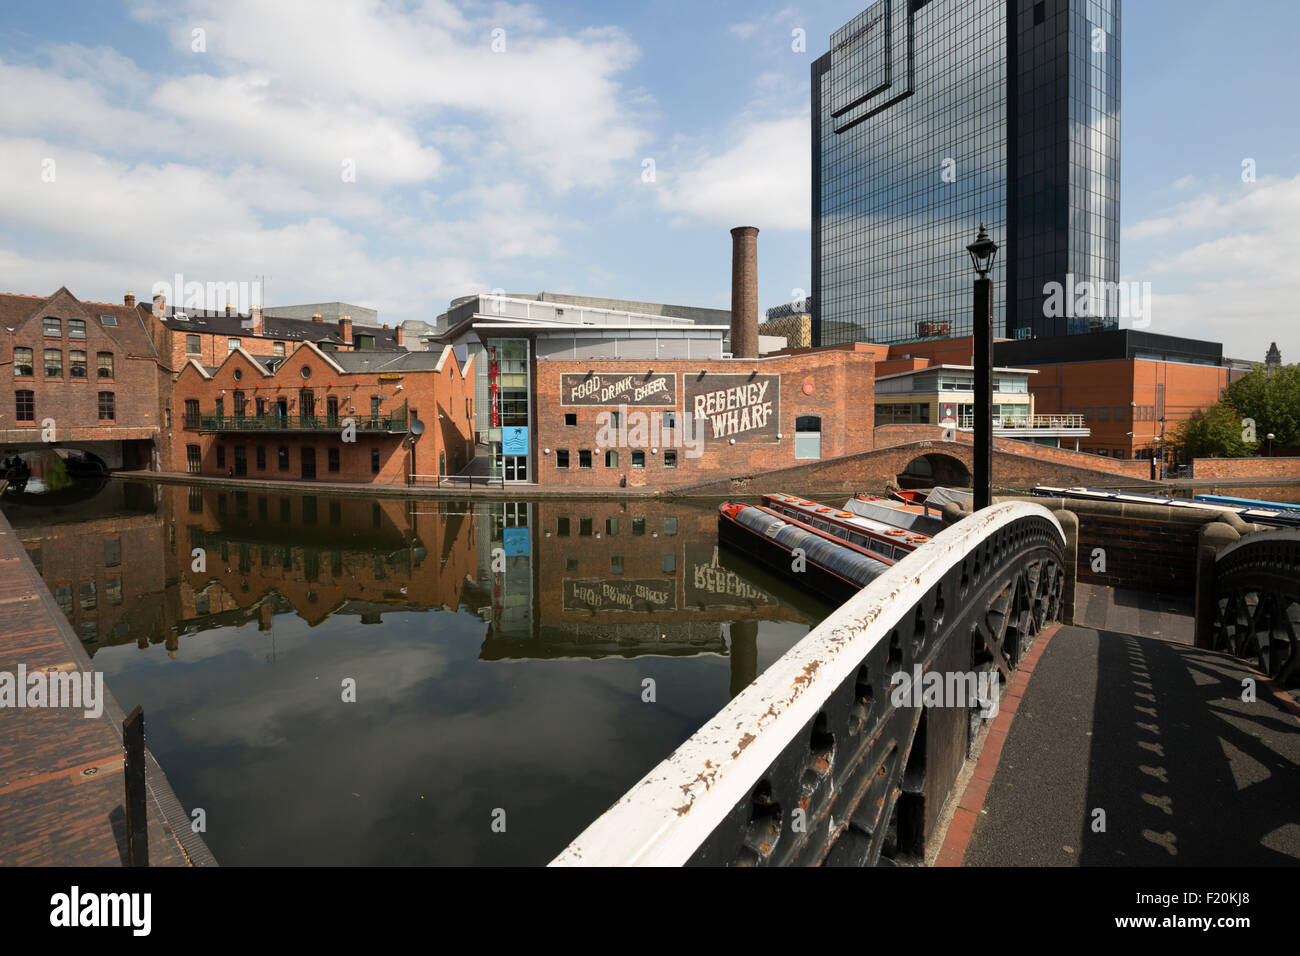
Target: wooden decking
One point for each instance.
(61, 784)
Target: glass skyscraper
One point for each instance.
(930, 117)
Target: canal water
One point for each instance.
(352, 681)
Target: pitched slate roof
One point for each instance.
(129, 330)
(285, 330)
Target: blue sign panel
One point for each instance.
(516, 542)
(514, 440)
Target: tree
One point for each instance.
(1271, 399)
(1216, 432)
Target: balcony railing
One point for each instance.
(393, 422)
(1028, 421)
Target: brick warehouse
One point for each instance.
(90, 369)
(286, 418)
(613, 423)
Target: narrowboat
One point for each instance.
(1269, 513)
(834, 569)
(886, 532)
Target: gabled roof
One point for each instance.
(285, 330)
(129, 330)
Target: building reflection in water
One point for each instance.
(551, 580)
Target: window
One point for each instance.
(232, 344)
(808, 436)
(108, 320)
(23, 363)
(670, 564)
(611, 526)
(191, 413)
(562, 527)
(113, 590)
(571, 418)
(193, 345)
(193, 462)
(283, 455)
(670, 419)
(571, 564)
(64, 598)
(670, 525)
(221, 456)
(76, 328)
(261, 407)
(670, 459)
(611, 459)
(112, 552)
(615, 421)
(104, 363)
(584, 527)
(561, 458)
(54, 327)
(374, 406)
(638, 526)
(240, 403)
(616, 564)
(584, 458)
(334, 459)
(87, 596)
(638, 459)
(53, 363)
(365, 343)
(107, 410)
(374, 461)
(25, 405)
(76, 364)
(279, 348)
(261, 463)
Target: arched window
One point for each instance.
(808, 436)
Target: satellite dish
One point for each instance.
(417, 427)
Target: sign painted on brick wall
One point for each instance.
(620, 595)
(744, 407)
(604, 389)
(709, 584)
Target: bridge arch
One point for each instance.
(935, 469)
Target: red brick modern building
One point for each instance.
(81, 376)
(316, 415)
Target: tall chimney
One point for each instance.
(230, 309)
(129, 300)
(397, 332)
(744, 292)
(315, 317)
(160, 305)
(345, 328)
(255, 312)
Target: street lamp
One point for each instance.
(982, 253)
(1270, 436)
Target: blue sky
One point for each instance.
(522, 169)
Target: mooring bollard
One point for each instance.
(137, 820)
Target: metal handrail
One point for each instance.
(1029, 421)
(396, 422)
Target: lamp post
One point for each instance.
(1270, 437)
(982, 253)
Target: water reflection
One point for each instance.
(500, 651)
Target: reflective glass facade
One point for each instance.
(931, 117)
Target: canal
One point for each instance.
(353, 681)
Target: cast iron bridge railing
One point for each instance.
(816, 762)
(393, 422)
(1257, 602)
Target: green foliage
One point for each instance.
(1215, 432)
(56, 473)
(1272, 399)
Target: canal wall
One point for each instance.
(62, 788)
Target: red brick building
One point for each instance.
(83, 376)
(667, 424)
(316, 415)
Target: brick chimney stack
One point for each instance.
(129, 300)
(315, 317)
(255, 312)
(397, 332)
(744, 292)
(159, 305)
(345, 328)
(230, 309)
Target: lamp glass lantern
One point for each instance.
(982, 252)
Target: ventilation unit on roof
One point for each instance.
(180, 315)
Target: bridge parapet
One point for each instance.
(823, 760)
(1256, 595)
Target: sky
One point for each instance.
(399, 154)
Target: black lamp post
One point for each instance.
(982, 253)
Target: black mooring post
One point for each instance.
(983, 361)
(137, 820)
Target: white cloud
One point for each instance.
(1222, 266)
(764, 179)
